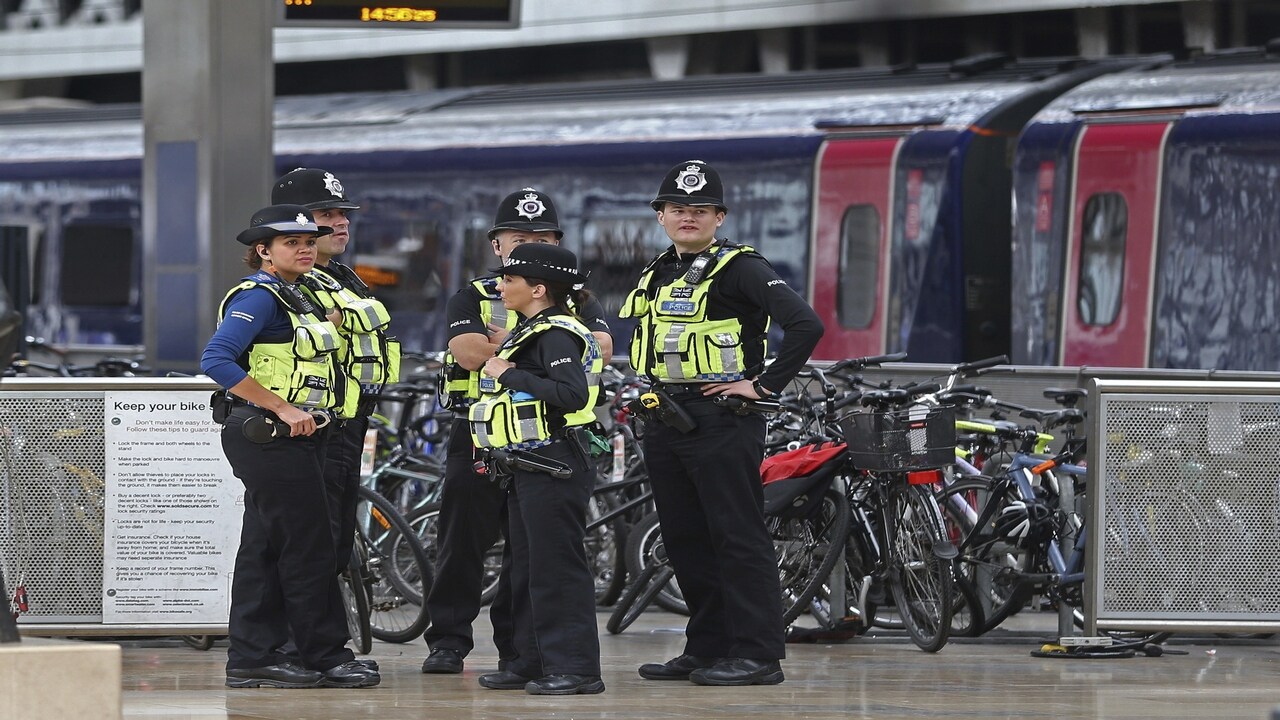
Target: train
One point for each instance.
(930, 209)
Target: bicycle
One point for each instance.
(387, 577)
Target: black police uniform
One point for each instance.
(552, 589)
(284, 585)
(472, 514)
(472, 506)
(706, 483)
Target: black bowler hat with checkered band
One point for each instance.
(527, 210)
(543, 261)
(692, 182)
(313, 189)
(280, 220)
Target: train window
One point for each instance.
(1102, 243)
(859, 266)
(97, 265)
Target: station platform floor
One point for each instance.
(882, 676)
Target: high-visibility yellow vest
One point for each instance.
(674, 341)
(505, 418)
(304, 370)
(459, 386)
(369, 356)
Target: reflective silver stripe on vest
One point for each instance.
(313, 396)
(497, 313)
(320, 327)
(671, 351)
(729, 360)
(529, 427)
(483, 438)
(365, 347)
(371, 318)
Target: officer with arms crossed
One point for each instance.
(277, 355)
(472, 511)
(370, 357)
(536, 395)
(704, 307)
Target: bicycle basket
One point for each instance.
(914, 438)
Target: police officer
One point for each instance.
(276, 354)
(703, 308)
(370, 357)
(536, 394)
(473, 508)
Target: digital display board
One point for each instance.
(412, 15)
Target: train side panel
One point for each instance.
(1041, 182)
(851, 258)
(1111, 244)
(1217, 288)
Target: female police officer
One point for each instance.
(704, 307)
(274, 352)
(535, 394)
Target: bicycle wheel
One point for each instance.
(995, 562)
(355, 600)
(425, 522)
(397, 572)
(647, 587)
(807, 550)
(605, 552)
(919, 579)
(644, 549)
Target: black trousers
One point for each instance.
(341, 479)
(472, 516)
(284, 582)
(706, 485)
(553, 595)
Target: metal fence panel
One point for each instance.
(1184, 506)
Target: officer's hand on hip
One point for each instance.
(741, 388)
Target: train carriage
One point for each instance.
(1148, 214)
(881, 194)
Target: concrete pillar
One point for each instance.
(207, 90)
(421, 72)
(1199, 25)
(775, 50)
(1093, 30)
(668, 56)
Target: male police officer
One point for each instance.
(370, 357)
(472, 506)
(703, 307)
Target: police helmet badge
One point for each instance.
(302, 219)
(332, 184)
(691, 179)
(530, 206)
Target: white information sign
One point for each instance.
(173, 511)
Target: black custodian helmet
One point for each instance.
(527, 210)
(691, 183)
(311, 188)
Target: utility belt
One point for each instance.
(679, 405)
(499, 463)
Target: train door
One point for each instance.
(849, 264)
(1111, 244)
